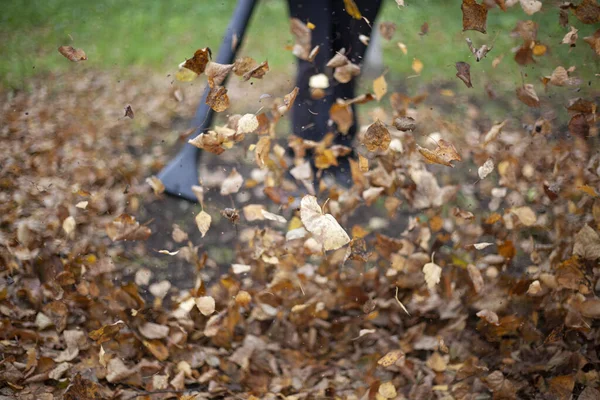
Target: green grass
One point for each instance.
(159, 35)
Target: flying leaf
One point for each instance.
(432, 272)
(324, 227)
(464, 73)
(217, 98)
(594, 41)
(571, 37)
(417, 66)
(203, 220)
(352, 9)
(489, 316)
(525, 215)
(261, 152)
(342, 115)
(528, 96)
(125, 227)
(479, 53)
(482, 245)
(72, 54)
(377, 137)
(217, 72)
(257, 72)
(588, 12)
(248, 123)
(400, 3)
(69, 224)
(587, 244)
(156, 184)
(242, 65)
(232, 183)
(443, 154)
(129, 112)
(198, 62)
(303, 37)
(531, 6)
(387, 30)
(493, 134)
(560, 77)
(288, 101)
(486, 169)
(206, 305)
(318, 81)
(403, 48)
(380, 87)
(345, 73)
(405, 124)
(474, 16)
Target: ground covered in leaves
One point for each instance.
(461, 264)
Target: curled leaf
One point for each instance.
(464, 73)
(474, 16)
(377, 137)
(443, 154)
(324, 227)
(72, 54)
(125, 227)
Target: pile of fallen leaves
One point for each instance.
(463, 262)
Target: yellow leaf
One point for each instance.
(352, 9)
(380, 87)
(203, 220)
(417, 66)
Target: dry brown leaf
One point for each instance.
(528, 96)
(486, 169)
(387, 30)
(476, 278)
(261, 152)
(437, 362)
(150, 330)
(587, 244)
(156, 184)
(405, 124)
(342, 115)
(444, 154)
(571, 37)
(288, 101)
(479, 53)
(464, 73)
(217, 72)
(203, 220)
(338, 60)
(303, 37)
(531, 6)
(588, 12)
(352, 9)
(380, 87)
(129, 112)
(594, 41)
(417, 66)
(117, 371)
(72, 54)
(525, 215)
(244, 64)
(493, 133)
(248, 123)
(474, 16)
(198, 62)
(377, 137)
(125, 227)
(345, 73)
(232, 183)
(560, 77)
(217, 98)
(391, 358)
(324, 227)
(257, 72)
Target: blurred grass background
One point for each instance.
(158, 35)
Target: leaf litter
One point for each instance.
(312, 301)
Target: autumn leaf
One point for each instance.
(489, 316)
(387, 30)
(257, 72)
(474, 16)
(560, 77)
(203, 220)
(248, 123)
(324, 227)
(587, 244)
(380, 87)
(198, 62)
(387, 390)
(531, 6)
(342, 115)
(525, 214)
(486, 169)
(125, 227)
(493, 134)
(352, 9)
(464, 73)
(217, 72)
(345, 73)
(377, 137)
(206, 305)
(432, 272)
(588, 12)
(444, 154)
(391, 358)
(527, 95)
(479, 53)
(129, 112)
(417, 66)
(261, 152)
(217, 98)
(72, 54)
(571, 37)
(303, 37)
(232, 183)
(405, 124)
(594, 41)
(156, 184)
